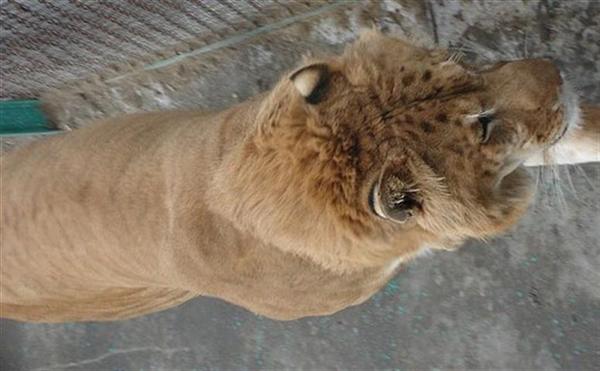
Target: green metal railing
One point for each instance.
(22, 117)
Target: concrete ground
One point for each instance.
(527, 300)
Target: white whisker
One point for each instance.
(570, 182)
(584, 175)
(557, 188)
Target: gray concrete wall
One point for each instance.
(529, 299)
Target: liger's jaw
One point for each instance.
(562, 149)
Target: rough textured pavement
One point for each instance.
(527, 300)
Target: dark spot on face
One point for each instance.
(427, 127)
(430, 160)
(408, 80)
(458, 122)
(354, 150)
(402, 69)
(487, 173)
(409, 119)
(540, 137)
(426, 76)
(456, 149)
(441, 117)
(414, 136)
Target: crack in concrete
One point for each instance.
(169, 352)
(431, 12)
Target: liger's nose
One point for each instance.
(541, 71)
(525, 84)
(544, 70)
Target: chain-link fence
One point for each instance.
(45, 43)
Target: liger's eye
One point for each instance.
(486, 121)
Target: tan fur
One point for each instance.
(266, 204)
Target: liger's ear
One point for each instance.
(394, 196)
(312, 81)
